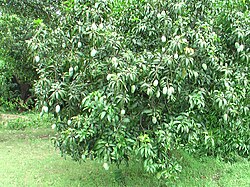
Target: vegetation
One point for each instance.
(20, 122)
(135, 79)
(29, 159)
(17, 72)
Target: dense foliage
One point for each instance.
(17, 70)
(145, 78)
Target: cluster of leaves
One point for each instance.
(18, 23)
(146, 78)
(14, 57)
(14, 33)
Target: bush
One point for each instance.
(17, 71)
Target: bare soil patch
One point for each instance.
(7, 117)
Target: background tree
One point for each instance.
(18, 69)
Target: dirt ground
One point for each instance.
(7, 117)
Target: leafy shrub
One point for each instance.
(146, 78)
(17, 70)
(5, 87)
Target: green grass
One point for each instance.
(209, 171)
(28, 158)
(24, 120)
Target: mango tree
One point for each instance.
(145, 78)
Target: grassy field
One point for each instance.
(28, 158)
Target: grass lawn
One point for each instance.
(28, 158)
